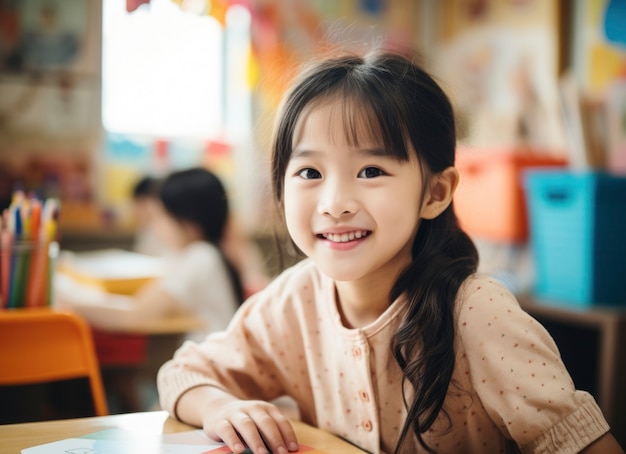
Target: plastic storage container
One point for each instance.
(578, 237)
(25, 273)
(489, 201)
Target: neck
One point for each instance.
(192, 233)
(360, 303)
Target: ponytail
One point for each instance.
(443, 257)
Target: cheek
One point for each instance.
(398, 211)
(291, 206)
(167, 231)
(141, 214)
(297, 211)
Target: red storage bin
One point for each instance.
(489, 201)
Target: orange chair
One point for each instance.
(42, 345)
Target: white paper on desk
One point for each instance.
(113, 264)
(184, 443)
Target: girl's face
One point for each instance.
(172, 232)
(144, 208)
(353, 209)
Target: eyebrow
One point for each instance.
(303, 153)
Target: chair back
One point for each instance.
(42, 345)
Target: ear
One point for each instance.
(440, 191)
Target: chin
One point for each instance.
(341, 274)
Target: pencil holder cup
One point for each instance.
(26, 269)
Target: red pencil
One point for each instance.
(5, 267)
(39, 254)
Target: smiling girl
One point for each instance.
(384, 335)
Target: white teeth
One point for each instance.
(344, 237)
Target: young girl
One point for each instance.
(144, 197)
(190, 220)
(236, 246)
(384, 335)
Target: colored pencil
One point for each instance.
(38, 254)
(16, 257)
(5, 272)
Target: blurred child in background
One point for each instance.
(189, 219)
(234, 243)
(145, 203)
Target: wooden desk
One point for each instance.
(15, 437)
(592, 342)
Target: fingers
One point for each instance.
(251, 428)
(226, 433)
(285, 429)
(273, 427)
(261, 427)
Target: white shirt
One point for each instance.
(198, 279)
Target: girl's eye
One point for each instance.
(309, 174)
(371, 172)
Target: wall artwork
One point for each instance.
(498, 61)
(49, 70)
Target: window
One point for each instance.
(175, 82)
(162, 71)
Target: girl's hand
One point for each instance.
(253, 423)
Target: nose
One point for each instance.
(338, 198)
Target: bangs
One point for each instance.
(363, 123)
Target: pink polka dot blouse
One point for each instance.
(509, 387)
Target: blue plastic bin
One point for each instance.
(578, 236)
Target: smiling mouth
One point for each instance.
(344, 237)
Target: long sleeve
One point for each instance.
(516, 370)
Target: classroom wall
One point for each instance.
(50, 98)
